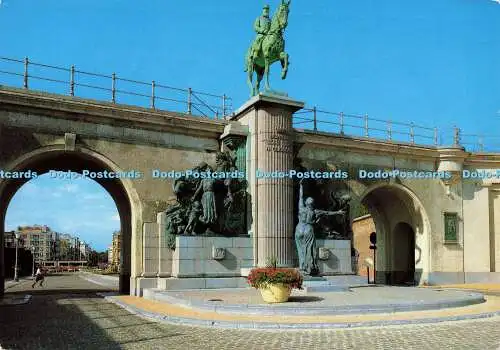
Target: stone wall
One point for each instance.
(211, 256)
(334, 257)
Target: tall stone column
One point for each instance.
(271, 136)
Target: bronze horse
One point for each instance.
(272, 50)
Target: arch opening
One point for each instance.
(76, 162)
(401, 225)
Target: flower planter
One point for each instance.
(275, 293)
(275, 283)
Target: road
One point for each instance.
(67, 314)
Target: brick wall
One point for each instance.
(362, 227)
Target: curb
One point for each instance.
(290, 326)
(269, 310)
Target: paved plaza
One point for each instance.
(373, 299)
(67, 314)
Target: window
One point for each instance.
(450, 227)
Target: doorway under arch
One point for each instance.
(41, 162)
(403, 252)
(402, 229)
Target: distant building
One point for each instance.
(64, 246)
(116, 249)
(49, 245)
(10, 240)
(41, 239)
(110, 254)
(84, 250)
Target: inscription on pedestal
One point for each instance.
(279, 141)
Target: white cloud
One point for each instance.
(497, 1)
(115, 217)
(56, 194)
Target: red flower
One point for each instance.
(266, 275)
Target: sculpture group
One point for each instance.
(268, 47)
(208, 206)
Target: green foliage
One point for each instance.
(260, 277)
(272, 262)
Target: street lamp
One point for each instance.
(18, 235)
(32, 248)
(373, 246)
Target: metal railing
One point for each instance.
(364, 126)
(74, 82)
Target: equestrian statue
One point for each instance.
(268, 47)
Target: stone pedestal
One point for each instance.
(269, 120)
(164, 253)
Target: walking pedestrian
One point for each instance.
(39, 276)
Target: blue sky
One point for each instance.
(80, 207)
(433, 62)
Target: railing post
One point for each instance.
(436, 142)
(412, 133)
(190, 92)
(481, 145)
(389, 130)
(341, 123)
(223, 105)
(216, 114)
(315, 120)
(26, 62)
(456, 136)
(366, 125)
(72, 81)
(113, 88)
(153, 94)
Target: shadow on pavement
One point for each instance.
(74, 317)
(304, 299)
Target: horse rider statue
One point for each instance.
(261, 26)
(268, 47)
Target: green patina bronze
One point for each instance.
(450, 227)
(268, 47)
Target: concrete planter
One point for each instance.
(275, 293)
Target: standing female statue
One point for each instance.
(304, 234)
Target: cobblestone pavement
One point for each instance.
(78, 319)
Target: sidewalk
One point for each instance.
(12, 283)
(171, 313)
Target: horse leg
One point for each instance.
(266, 72)
(284, 64)
(250, 79)
(260, 75)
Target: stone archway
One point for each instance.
(402, 224)
(121, 190)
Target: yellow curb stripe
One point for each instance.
(491, 305)
(490, 287)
